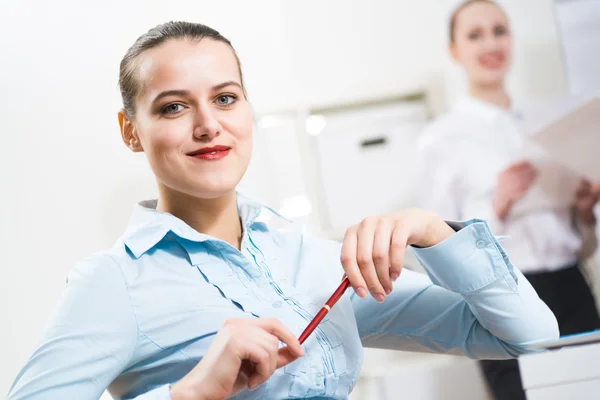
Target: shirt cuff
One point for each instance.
(484, 210)
(467, 261)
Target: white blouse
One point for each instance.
(461, 155)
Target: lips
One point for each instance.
(210, 153)
(492, 60)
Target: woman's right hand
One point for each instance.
(244, 354)
(512, 185)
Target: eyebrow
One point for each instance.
(181, 93)
(184, 93)
(225, 84)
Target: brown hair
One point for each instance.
(128, 80)
(464, 5)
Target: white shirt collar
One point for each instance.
(486, 110)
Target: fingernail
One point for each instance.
(379, 297)
(361, 292)
(388, 291)
(395, 276)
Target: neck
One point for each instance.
(216, 217)
(492, 93)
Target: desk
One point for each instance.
(394, 375)
(571, 373)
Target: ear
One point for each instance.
(453, 53)
(128, 132)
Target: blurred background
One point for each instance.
(341, 90)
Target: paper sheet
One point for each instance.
(554, 187)
(572, 136)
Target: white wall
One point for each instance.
(348, 49)
(68, 184)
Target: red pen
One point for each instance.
(325, 309)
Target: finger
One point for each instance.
(584, 187)
(586, 183)
(397, 250)
(525, 171)
(241, 381)
(519, 165)
(534, 173)
(348, 259)
(273, 353)
(526, 181)
(364, 257)
(283, 333)
(285, 356)
(527, 166)
(522, 189)
(260, 361)
(270, 343)
(381, 253)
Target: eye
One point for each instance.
(473, 35)
(225, 100)
(500, 31)
(172, 109)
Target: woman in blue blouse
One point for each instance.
(195, 298)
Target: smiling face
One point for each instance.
(482, 42)
(192, 119)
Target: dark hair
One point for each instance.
(458, 10)
(128, 79)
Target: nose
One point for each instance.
(206, 126)
(492, 43)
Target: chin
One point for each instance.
(213, 188)
(492, 78)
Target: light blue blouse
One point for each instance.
(138, 317)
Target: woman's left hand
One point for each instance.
(373, 251)
(585, 200)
